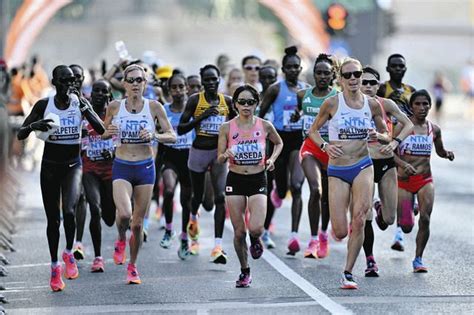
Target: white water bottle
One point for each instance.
(116, 138)
(122, 50)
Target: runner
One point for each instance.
(97, 162)
(206, 112)
(313, 160)
(242, 142)
(175, 158)
(385, 173)
(281, 96)
(61, 168)
(267, 76)
(250, 66)
(400, 93)
(350, 170)
(131, 122)
(194, 84)
(414, 172)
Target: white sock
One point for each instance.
(218, 241)
(294, 234)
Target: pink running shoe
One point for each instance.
(244, 281)
(56, 281)
(71, 271)
(132, 275)
(276, 200)
(323, 249)
(98, 265)
(119, 252)
(293, 246)
(311, 251)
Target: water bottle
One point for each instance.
(122, 50)
(116, 138)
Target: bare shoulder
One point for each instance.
(114, 106)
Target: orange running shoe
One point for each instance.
(218, 256)
(132, 274)
(193, 229)
(194, 249)
(119, 252)
(56, 281)
(311, 251)
(98, 265)
(71, 271)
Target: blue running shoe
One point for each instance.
(418, 266)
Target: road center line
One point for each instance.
(321, 298)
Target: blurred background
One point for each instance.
(433, 35)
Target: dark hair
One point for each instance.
(176, 74)
(322, 58)
(394, 56)
(57, 69)
(268, 67)
(290, 52)
(209, 66)
(246, 58)
(246, 87)
(109, 88)
(417, 93)
(76, 66)
(369, 69)
(193, 76)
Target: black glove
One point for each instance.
(41, 125)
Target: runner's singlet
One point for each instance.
(418, 145)
(183, 142)
(284, 107)
(311, 106)
(70, 121)
(130, 124)
(209, 127)
(248, 146)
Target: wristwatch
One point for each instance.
(323, 146)
(398, 140)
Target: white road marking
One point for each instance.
(321, 298)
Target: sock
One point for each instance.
(194, 217)
(169, 226)
(98, 257)
(314, 237)
(54, 264)
(218, 241)
(184, 236)
(77, 243)
(245, 270)
(323, 235)
(146, 223)
(253, 240)
(368, 239)
(348, 274)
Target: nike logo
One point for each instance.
(384, 168)
(73, 164)
(149, 166)
(261, 189)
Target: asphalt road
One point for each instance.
(281, 284)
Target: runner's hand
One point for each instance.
(334, 150)
(41, 125)
(113, 130)
(270, 165)
(409, 169)
(146, 135)
(449, 155)
(211, 111)
(295, 116)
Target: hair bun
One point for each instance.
(292, 50)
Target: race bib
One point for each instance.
(211, 124)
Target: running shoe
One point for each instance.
(132, 275)
(323, 248)
(398, 242)
(267, 241)
(98, 265)
(379, 218)
(256, 249)
(418, 266)
(244, 281)
(293, 246)
(119, 252)
(276, 200)
(218, 256)
(167, 239)
(193, 229)
(56, 281)
(372, 269)
(183, 251)
(71, 271)
(194, 249)
(312, 250)
(348, 282)
(78, 252)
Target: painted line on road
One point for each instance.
(317, 295)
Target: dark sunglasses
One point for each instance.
(67, 80)
(245, 102)
(348, 75)
(371, 82)
(397, 66)
(133, 80)
(250, 67)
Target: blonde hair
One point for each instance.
(349, 60)
(133, 67)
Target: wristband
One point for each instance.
(323, 146)
(398, 140)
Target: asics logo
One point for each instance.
(235, 136)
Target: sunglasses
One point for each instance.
(133, 80)
(67, 80)
(348, 75)
(246, 102)
(397, 66)
(370, 82)
(250, 67)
